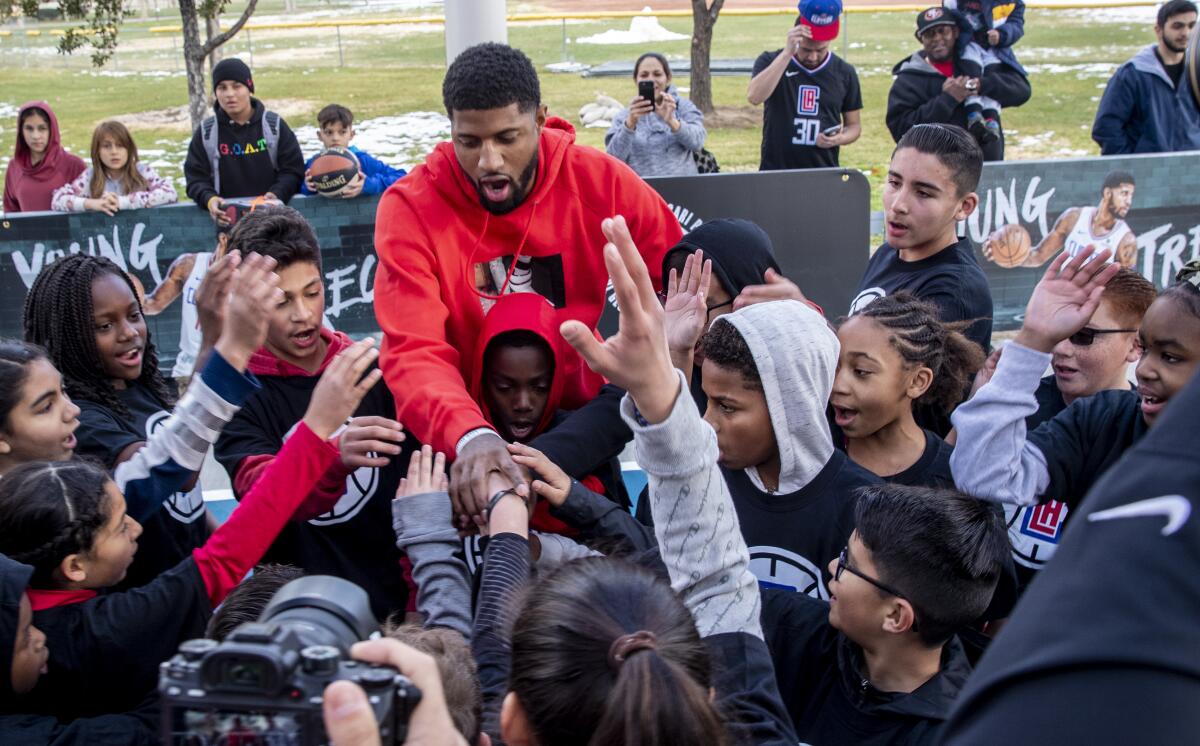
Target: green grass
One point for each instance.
(390, 72)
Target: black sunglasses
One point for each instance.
(1087, 335)
(843, 565)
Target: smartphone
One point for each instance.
(831, 131)
(646, 91)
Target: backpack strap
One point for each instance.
(208, 136)
(271, 134)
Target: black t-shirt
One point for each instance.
(355, 540)
(951, 279)
(793, 537)
(1174, 72)
(804, 104)
(180, 525)
(932, 469)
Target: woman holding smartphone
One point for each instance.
(660, 132)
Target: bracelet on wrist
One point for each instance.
(496, 498)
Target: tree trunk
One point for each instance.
(193, 59)
(704, 17)
(212, 27)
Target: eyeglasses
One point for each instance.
(662, 298)
(843, 565)
(1087, 335)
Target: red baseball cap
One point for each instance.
(822, 16)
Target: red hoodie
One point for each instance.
(28, 188)
(431, 231)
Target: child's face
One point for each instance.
(41, 426)
(336, 135)
(120, 329)
(874, 386)
(516, 388)
(36, 131)
(115, 545)
(113, 155)
(1170, 340)
(30, 653)
(294, 331)
(856, 607)
(921, 202)
(1082, 371)
(740, 417)
(233, 97)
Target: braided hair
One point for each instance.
(1186, 290)
(49, 510)
(15, 357)
(58, 316)
(921, 338)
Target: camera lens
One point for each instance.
(323, 610)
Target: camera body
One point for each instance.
(266, 681)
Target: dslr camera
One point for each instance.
(265, 683)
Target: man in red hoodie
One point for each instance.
(510, 204)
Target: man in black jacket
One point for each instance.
(243, 150)
(930, 86)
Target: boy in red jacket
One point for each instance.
(510, 203)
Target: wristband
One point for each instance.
(501, 495)
(208, 206)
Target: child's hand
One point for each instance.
(1065, 298)
(308, 182)
(685, 310)
(426, 473)
(993, 37)
(365, 436)
(986, 372)
(253, 293)
(554, 483)
(106, 203)
(341, 388)
(775, 287)
(213, 294)
(355, 187)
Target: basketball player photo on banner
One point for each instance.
(1098, 226)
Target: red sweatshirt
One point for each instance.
(431, 232)
(29, 188)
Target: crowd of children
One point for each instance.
(821, 553)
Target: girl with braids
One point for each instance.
(71, 524)
(897, 354)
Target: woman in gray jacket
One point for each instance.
(659, 139)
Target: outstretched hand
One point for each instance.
(341, 388)
(775, 287)
(685, 310)
(1065, 298)
(253, 292)
(552, 483)
(636, 358)
(426, 473)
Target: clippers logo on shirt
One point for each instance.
(360, 488)
(808, 110)
(184, 507)
(1034, 531)
(779, 568)
(866, 298)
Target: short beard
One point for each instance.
(519, 191)
(1174, 49)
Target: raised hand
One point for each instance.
(1065, 298)
(365, 436)
(638, 108)
(685, 311)
(636, 357)
(480, 460)
(341, 388)
(253, 293)
(426, 473)
(213, 294)
(775, 287)
(986, 372)
(553, 483)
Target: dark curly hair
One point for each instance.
(724, 346)
(922, 338)
(491, 76)
(58, 316)
(51, 509)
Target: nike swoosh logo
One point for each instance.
(1175, 508)
(790, 73)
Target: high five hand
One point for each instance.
(1065, 298)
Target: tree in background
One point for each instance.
(704, 17)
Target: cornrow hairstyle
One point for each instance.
(51, 509)
(922, 338)
(724, 346)
(1186, 290)
(15, 357)
(58, 316)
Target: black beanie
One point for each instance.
(231, 68)
(740, 250)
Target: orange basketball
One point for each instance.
(1010, 246)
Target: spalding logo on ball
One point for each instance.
(333, 170)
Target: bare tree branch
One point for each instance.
(225, 36)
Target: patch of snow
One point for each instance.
(402, 140)
(642, 30)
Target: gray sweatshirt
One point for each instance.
(694, 518)
(992, 459)
(425, 532)
(652, 149)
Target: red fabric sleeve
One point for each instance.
(241, 541)
(321, 499)
(653, 226)
(415, 355)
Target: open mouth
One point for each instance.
(844, 416)
(496, 189)
(131, 358)
(520, 430)
(70, 442)
(896, 230)
(1065, 372)
(305, 339)
(1151, 404)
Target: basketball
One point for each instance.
(332, 170)
(1009, 246)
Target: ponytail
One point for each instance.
(654, 700)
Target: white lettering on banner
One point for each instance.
(141, 255)
(1166, 257)
(687, 219)
(341, 278)
(998, 207)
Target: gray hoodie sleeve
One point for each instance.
(618, 141)
(694, 518)
(992, 459)
(691, 134)
(425, 533)
(558, 550)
